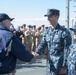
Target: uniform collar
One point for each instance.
(56, 28)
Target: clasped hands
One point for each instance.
(35, 54)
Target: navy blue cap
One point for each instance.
(29, 26)
(52, 12)
(4, 16)
(74, 28)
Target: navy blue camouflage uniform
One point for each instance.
(72, 60)
(58, 41)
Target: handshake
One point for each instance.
(35, 54)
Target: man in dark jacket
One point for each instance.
(11, 47)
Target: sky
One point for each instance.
(32, 11)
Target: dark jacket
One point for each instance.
(17, 51)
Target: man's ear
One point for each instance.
(57, 16)
(3, 21)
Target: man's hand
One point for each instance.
(63, 71)
(35, 54)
